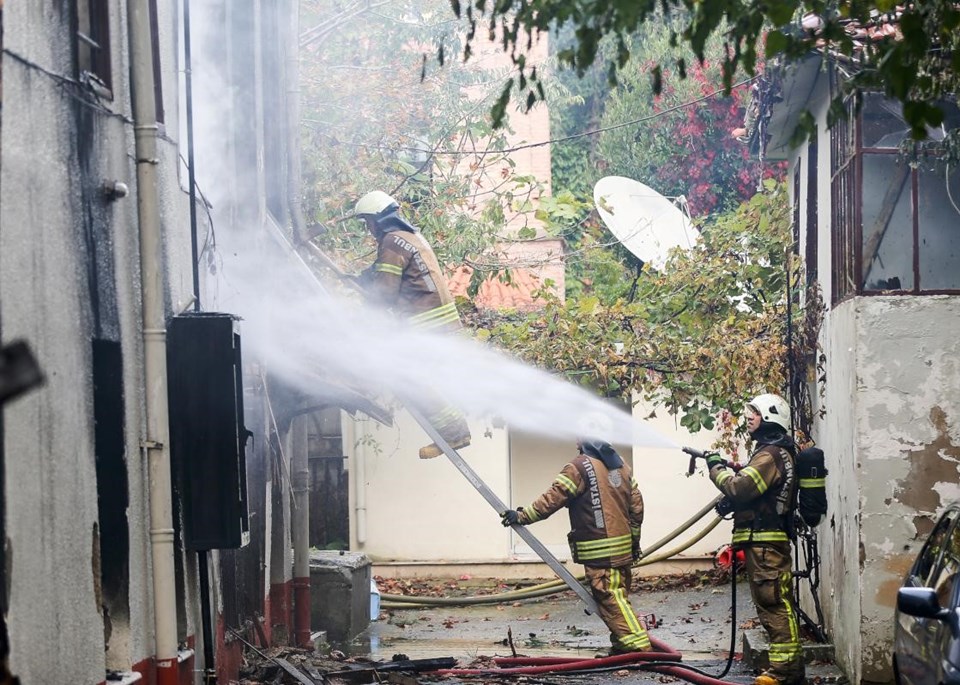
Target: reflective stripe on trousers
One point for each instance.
(769, 570)
(611, 589)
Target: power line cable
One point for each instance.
(526, 146)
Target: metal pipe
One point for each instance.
(154, 443)
(295, 205)
(359, 482)
(191, 174)
(300, 480)
(209, 667)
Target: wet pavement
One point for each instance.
(692, 620)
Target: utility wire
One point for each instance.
(527, 146)
(72, 87)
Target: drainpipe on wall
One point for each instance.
(293, 128)
(155, 442)
(300, 475)
(360, 481)
(300, 480)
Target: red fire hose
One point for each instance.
(659, 660)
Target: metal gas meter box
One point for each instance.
(207, 434)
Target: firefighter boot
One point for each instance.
(767, 678)
(433, 449)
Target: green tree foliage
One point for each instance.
(918, 65)
(680, 141)
(378, 114)
(684, 145)
(698, 337)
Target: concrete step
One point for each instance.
(819, 658)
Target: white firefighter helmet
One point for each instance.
(772, 409)
(594, 426)
(374, 202)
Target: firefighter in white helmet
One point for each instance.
(407, 278)
(763, 496)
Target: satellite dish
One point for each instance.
(643, 220)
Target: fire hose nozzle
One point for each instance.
(694, 455)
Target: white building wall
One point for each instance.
(669, 496)
(839, 534)
(448, 524)
(406, 509)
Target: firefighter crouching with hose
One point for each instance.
(606, 511)
(763, 497)
(406, 278)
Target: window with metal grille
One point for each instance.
(157, 73)
(843, 187)
(896, 215)
(812, 229)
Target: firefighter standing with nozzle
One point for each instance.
(763, 497)
(406, 277)
(606, 510)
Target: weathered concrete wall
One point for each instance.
(891, 437)
(890, 399)
(908, 433)
(69, 273)
(46, 282)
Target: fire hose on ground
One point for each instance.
(391, 601)
(661, 659)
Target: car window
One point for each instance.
(944, 576)
(926, 562)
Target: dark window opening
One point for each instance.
(329, 481)
(93, 45)
(796, 206)
(812, 228)
(896, 224)
(112, 494)
(157, 76)
(887, 224)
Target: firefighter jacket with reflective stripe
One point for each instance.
(763, 494)
(605, 507)
(406, 277)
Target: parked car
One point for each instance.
(926, 647)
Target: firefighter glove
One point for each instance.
(510, 517)
(713, 459)
(635, 549)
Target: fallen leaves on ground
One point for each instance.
(463, 585)
(682, 581)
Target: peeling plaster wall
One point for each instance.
(891, 434)
(908, 430)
